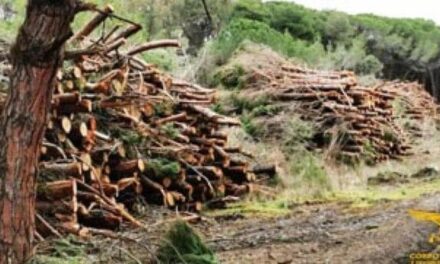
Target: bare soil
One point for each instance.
(326, 233)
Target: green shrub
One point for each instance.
(183, 245)
(242, 29)
(354, 58)
(299, 22)
(218, 108)
(251, 9)
(369, 65)
(243, 104)
(230, 77)
(249, 125)
(263, 110)
(337, 28)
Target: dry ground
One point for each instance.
(327, 233)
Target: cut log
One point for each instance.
(265, 169)
(73, 169)
(127, 168)
(57, 190)
(84, 106)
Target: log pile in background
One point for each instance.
(412, 100)
(359, 121)
(122, 132)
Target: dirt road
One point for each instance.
(327, 233)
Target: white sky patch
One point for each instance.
(427, 9)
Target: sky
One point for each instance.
(427, 9)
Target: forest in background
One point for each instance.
(370, 45)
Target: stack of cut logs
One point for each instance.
(121, 132)
(412, 100)
(361, 120)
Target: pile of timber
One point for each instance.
(412, 100)
(359, 121)
(122, 132)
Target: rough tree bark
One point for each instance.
(36, 56)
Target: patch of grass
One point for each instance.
(249, 126)
(264, 110)
(368, 154)
(310, 173)
(249, 109)
(218, 108)
(271, 208)
(63, 251)
(399, 107)
(183, 245)
(296, 133)
(358, 198)
(372, 195)
(303, 165)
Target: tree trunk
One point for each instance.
(36, 57)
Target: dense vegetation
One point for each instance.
(370, 45)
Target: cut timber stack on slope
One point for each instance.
(121, 131)
(360, 121)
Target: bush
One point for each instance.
(251, 9)
(369, 65)
(353, 58)
(230, 77)
(299, 22)
(337, 28)
(245, 104)
(183, 245)
(239, 30)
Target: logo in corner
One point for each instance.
(433, 217)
